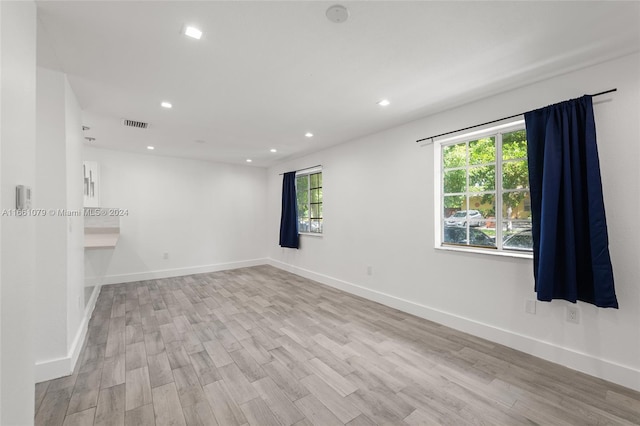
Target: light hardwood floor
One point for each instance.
(261, 346)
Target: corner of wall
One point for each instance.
(60, 367)
(75, 224)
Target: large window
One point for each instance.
(309, 195)
(484, 191)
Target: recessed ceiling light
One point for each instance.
(273, 150)
(151, 148)
(384, 102)
(193, 32)
(166, 104)
(309, 134)
(249, 160)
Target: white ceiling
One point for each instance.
(265, 73)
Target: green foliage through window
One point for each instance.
(309, 197)
(485, 191)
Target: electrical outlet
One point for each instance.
(165, 255)
(573, 314)
(369, 270)
(530, 306)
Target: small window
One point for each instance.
(309, 195)
(483, 193)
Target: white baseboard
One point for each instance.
(601, 368)
(169, 273)
(60, 367)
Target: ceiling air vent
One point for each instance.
(136, 124)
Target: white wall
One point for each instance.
(51, 231)
(77, 316)
(61, 318)
(17, 246)
(1, 205)
(378, 207)
(207, 216)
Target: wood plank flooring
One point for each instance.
(261, 346)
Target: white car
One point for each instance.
(460, 218)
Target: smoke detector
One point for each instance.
(337, 13)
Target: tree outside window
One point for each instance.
(309, 197)
(477, 176)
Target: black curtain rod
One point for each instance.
(495, 121)
(306, 168)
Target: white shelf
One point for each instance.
(101, 237)
(100, 229)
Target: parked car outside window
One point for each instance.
(522, 240)
(460, 218)
(457, 235)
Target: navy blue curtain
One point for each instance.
(570, 242)
(289, 214)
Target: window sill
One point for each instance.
(311, 234)
(486, 252)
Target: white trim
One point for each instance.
(502, 128)
(311, 234)
(78, 341)
(60, 367)
(169, 273)
(437, 193)
(52, 369)
(309, 171)
(605, 369)
(491, 252)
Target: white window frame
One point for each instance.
(438, 190)
(307, 172)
